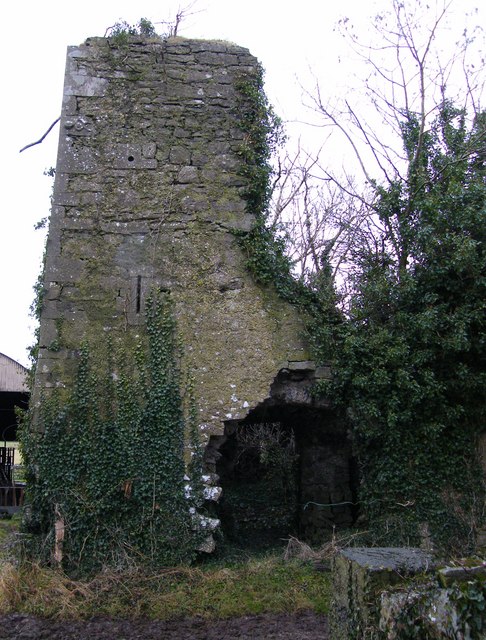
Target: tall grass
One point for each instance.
(233, 582)
(252, 587)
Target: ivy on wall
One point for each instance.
(262, 130)
(107, 483)
(263, 245)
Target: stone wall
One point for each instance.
(482, 452)
(392, 593)
(360, 576)
(149, 192)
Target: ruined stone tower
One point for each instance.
(149, 192)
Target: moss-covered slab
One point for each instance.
(360, 575)
(474, 570)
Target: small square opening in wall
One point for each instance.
(130, 156)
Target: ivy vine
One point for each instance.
(107, 465)
(263, 245)
(409, 370)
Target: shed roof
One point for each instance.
(12, 375)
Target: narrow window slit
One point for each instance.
(139, 293)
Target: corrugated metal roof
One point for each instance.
(12, 375)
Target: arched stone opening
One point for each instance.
(286, 469)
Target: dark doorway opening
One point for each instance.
(287, 469)
(258, 470)
(9, 402)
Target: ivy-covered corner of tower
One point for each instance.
(263, 134)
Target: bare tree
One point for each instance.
(183, 12)
(409, 65)
(409, 68)
(320, 221)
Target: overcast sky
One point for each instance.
(295, 41)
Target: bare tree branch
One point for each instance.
(32, 144)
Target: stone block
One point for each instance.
(303, 365)
(76, 159)
(323, 373)
(180, 155)
(360, 575)
(451, 575)
(48, 333)
(149, 150)
(78, 126)
(217, 59)
(83, 85)
(76, 52)
(70, 105)
(187, 175)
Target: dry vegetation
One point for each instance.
(222, 588)
(299, 550)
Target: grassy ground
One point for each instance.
(8, 528)
(5, 530)
(233, 585)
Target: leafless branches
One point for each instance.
(322, 221)
(182, 13)
(408, 66)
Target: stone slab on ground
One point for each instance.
(359, 576)
(398, 559)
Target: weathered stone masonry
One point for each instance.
(148, 190)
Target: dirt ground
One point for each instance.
(302, 626)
